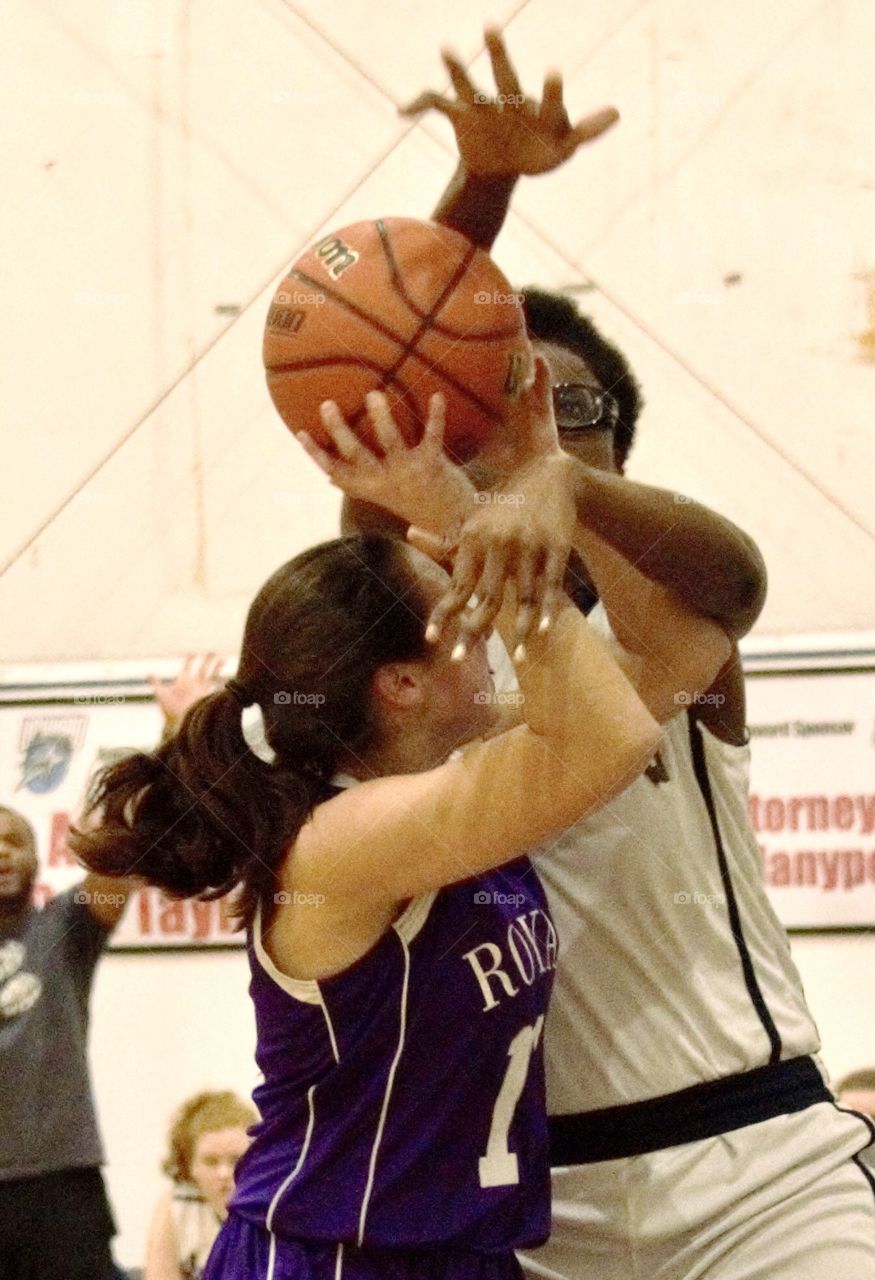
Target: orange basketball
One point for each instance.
(406, 307)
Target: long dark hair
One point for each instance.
(203, 813)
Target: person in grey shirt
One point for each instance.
(54, 1217)
(55, 1220)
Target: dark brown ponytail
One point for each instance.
(204, 813)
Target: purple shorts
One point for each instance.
(244, 1251)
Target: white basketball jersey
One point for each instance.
(673, 968)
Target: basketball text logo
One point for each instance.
(284, 319)
(335, 256)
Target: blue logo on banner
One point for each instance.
(46, 761)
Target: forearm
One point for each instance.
(708, 563)
(475, 205)
(568, 679)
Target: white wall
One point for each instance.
(169, 159)
(163, 1028)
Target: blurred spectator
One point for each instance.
(207, 1138)
(55, 1220)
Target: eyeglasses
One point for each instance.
(579, 407)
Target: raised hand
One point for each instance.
(198, 678)
(509, 133)
(413, 482)
(519, 533)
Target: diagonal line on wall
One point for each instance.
(159, 113)
(699, 379)
(730, 101)
(213, 342)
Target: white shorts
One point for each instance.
(780, 1200)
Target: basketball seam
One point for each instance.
(390, 377)
(412, 343)
(408, 348)
(429, 318)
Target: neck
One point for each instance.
(414, 752)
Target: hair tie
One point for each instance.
(240, 693)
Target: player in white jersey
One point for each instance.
(693, 1134)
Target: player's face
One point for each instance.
(213, 1162)
(458, 695)
(593, 446)
(18, 864)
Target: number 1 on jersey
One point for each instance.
(499, 1167)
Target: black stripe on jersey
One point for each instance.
(701, 1111)
(867, 1121)
(700, 768)
(867, 1173)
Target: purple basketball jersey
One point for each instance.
(403, 1099)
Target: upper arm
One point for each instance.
(691, 649)
(162, 1252)
(393, 838)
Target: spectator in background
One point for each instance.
(55, 1220)
(207, 1138)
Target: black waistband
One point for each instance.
(702, 1111)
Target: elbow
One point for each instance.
(646, 739)
(747, 597)
(709, 657)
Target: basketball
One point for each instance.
(401, 306)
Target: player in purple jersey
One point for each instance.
(400, 949)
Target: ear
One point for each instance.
(399, 686)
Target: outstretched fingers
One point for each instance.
(466, 572)
(431, 101)
(489, 591)
(553, 115)
(592, 126)
(386, 432)
(458, 73)
(506, 79)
